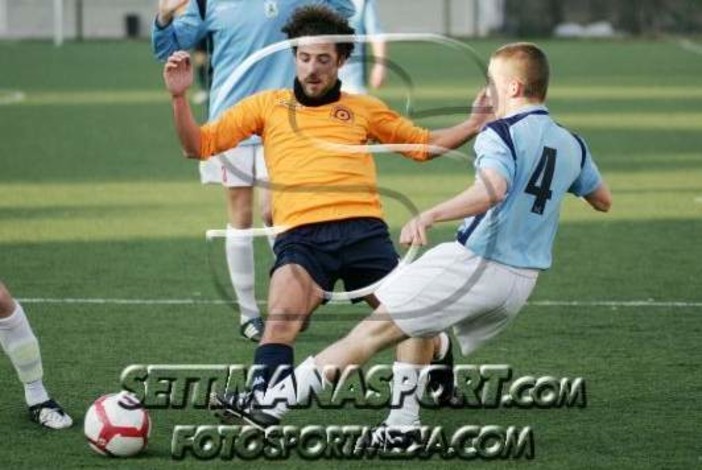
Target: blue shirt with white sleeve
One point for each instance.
(238, 28)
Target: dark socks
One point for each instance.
(277, 363)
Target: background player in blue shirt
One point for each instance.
(353, 74)
(236, 29)
(526, 164)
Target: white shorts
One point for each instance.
(452, 286)
(239, 167)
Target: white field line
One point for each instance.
(614, 303)
(690, 46)
(11, 96)
(538, 303)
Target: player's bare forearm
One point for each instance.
(186, 127)
(490, 189)
(380, 50)
(443, 140)
(600, 199)
(454, 137)
(469, 202)
(178, 77)
(473, 201)
(379, 72)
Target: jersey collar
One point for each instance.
(528, 110)
(333, 95)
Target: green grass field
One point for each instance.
(96, 203)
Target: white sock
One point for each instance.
(307, 380)
(35, 393)
(240, 259)
(408, 385)
(443, 349)
(21, 346)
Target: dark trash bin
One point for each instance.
(132, 26)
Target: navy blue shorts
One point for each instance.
(357, 251)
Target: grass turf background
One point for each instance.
(96, 202)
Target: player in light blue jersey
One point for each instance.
(526, 164)
(540, 162)
(236, 29)
(353, 74)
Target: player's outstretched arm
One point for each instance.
(178, 76)
(488, 190)
(453, 137)
(600, 199)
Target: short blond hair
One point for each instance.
(532, 65)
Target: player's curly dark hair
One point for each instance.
(319, 20)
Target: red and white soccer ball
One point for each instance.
(117, 425)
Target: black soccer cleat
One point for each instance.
(228, 407)
(240, 408)
(259, 419)
(252, 329)
(441, 383)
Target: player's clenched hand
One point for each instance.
(166, 10)
(482, 111)
(178, 73)
(415, 231)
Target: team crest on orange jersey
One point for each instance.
(342, 113)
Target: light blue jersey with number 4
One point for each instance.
(541, 162)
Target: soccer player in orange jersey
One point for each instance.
(323, 192)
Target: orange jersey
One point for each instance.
(318, 163)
